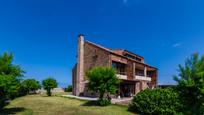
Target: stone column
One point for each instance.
(80, 65)
(144, 85)
(137, 87)
(133, 71)
(145, 71)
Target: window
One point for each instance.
(139, 72)
(120, 67)
(133, 57)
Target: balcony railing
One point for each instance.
(145, 78)
(121, 73)
(122, 76)
(139, 74)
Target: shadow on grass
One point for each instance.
(90, 103)
(8, 111)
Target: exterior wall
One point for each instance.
(94, 56)
(118, 59)
(74, 81)
(118, 51)
(144, 85)
(154, 79)
(137, 87)
(129, 70)
(80, 66)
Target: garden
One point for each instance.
(18, 95)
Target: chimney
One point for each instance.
(80, 65)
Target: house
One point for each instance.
(134, 74)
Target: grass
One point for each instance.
(43, 105)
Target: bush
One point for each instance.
(2, 102)
(104, 102)
(156, 102)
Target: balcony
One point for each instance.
(144, 78)
(122, 76)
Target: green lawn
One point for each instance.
(42, 105)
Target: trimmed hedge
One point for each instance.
(156, 102)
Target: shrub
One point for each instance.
(104, 102)
(103, 80)
(69, 88)
(2, 102)
(156, 102)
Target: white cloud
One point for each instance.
(176, 45)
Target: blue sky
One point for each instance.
(42, 34)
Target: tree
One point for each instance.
(191, 84)
(30, 85)
(7, 68)
(49, 84)
(9, 86)
(9, 78)
(102, 79)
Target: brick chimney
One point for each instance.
(80, 65)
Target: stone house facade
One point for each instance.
(134, 74)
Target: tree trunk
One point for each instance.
(101, 94)
(49, 93)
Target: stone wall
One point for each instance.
(95, 56)
(74, 81)
(129, 70)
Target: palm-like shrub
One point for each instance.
(49, 84)
(103, 80)
(156, 102)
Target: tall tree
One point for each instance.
(7, 68)
(191, 84)
(10, 75)
(102, 79)
(49, 84)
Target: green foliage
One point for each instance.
(49, 84)
(9, 86)
(104, 102)
(31, 85)
(9, 78)
(191, 85)
(69, 88)
(7, 68)
(102, 79)
(156, 102)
